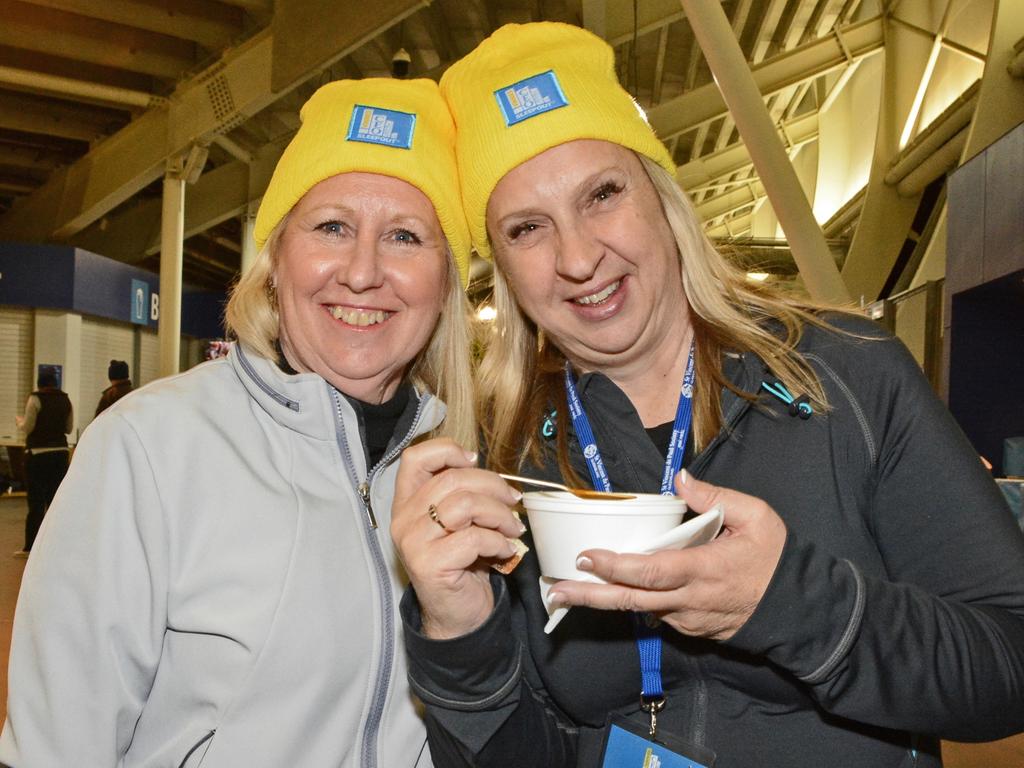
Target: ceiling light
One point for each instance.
(757, 277)
(486, 313)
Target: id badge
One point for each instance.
(629, 745)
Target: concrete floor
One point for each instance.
(1008, 753)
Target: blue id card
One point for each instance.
(627, 745)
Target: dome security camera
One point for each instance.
(400, 63)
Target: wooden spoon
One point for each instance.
(583, 493)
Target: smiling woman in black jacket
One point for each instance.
(866, 597)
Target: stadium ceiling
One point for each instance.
(96, 98)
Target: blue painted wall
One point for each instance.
(62, 277)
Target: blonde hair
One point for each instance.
(520, 376)
(443, 367)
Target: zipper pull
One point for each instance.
(364, 494)
(797, 406)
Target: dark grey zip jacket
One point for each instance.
(894, 618)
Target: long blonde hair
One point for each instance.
(520, 376)
(443, 367)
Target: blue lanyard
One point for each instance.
(648, 638)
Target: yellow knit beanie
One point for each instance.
(528, 88)
(399, 128)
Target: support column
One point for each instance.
(248, 240)
(172, 236)
(725, 58)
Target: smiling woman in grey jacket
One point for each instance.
(214, 584)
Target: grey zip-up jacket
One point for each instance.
(208, 590)
(895, 616)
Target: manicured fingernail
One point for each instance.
(555, 599)
(682, 476)
(584, 563)
(522, 528)
(471, 456)
(517, 496)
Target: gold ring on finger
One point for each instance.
(432, 511)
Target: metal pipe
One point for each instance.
(234, 149)
(939, 162)
(249, 251)
(172, 237)
(955, 118)
(79, 89)
(1016, 65)
(729, 66)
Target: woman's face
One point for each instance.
(361, 279)
(579, 233)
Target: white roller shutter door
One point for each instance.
(102, 341)
(17, 340)
(149, 364)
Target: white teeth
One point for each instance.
(597, 298)
(358, 317)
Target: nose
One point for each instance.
(362, 269)
(579, 253)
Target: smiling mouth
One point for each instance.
(359, 317)
(601, 296)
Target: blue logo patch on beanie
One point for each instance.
(530, 97)
(376, 125)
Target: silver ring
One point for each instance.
(432, 511)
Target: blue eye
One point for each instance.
(406, 237)
(331, 227)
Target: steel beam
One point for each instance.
(846, 44)
(211, 25)
(730, 202)
(69, 35)
(219, 195)
(741, 92)
(214, 102)
(735, 158)
(1001, 97)
(886, 216)
(33, 115)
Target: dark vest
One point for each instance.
(50, 421)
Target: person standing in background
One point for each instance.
(47, 422)
(120, 385)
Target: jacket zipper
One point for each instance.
(196, 746)
(698, 724)
(277, 396)
(380, 694)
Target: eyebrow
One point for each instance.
(579, 190)
(399, 218)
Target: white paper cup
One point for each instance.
(564, 525)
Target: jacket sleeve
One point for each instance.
(938, 646)
(91, 612)
(481, 709)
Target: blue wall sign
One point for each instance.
(140, 302)
(62, 277)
